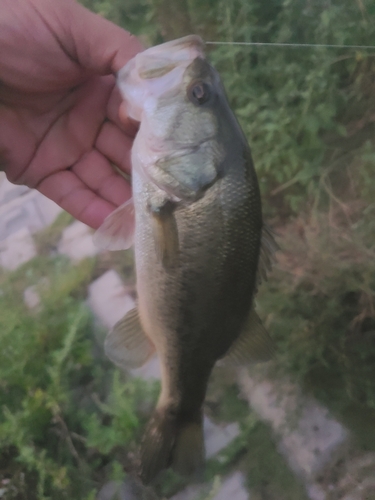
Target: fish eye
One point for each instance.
(199, 92)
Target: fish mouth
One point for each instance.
(162, 59)
(185, 42)
(157, 71)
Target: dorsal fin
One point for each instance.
(268, 248)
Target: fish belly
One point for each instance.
(194, 311)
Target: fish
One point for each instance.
(200, 245)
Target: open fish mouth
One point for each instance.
(162, 59)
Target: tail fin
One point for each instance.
(171, 441)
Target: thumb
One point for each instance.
(98, 44)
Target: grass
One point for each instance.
(254, 451)
(46, 240)
(69, 420)
(320, 306)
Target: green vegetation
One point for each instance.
(320, 309)
(69, 420)
(254, 451)
(47, 239)
(306, 111)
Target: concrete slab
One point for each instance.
(48, 209)
(129, 490)
(149, 371)
(109, 299)
(76, 242)
(357, 481)
(31, 294)
(23, 207)
(308, 436)
(19, 213)
(193, 492)
(31, 297)
(9, 191)
(17, 249)
(218, 437)
(316, 492)
(232, 488)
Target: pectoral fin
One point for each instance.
(117, 231)
(253, 345)
(165, 231)
(126, 344)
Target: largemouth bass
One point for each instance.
(199, 249)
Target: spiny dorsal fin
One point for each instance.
(117, 231)
(254, 344)
(126, 344)
(268, 248)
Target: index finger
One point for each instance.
(67, 190)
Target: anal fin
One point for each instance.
(253, 345)
(126, 344)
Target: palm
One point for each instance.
(65, 151)
(59, 126)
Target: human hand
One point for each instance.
(59, 108)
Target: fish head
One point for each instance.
(185, 120)
(172, 90)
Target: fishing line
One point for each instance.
(294, 45)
